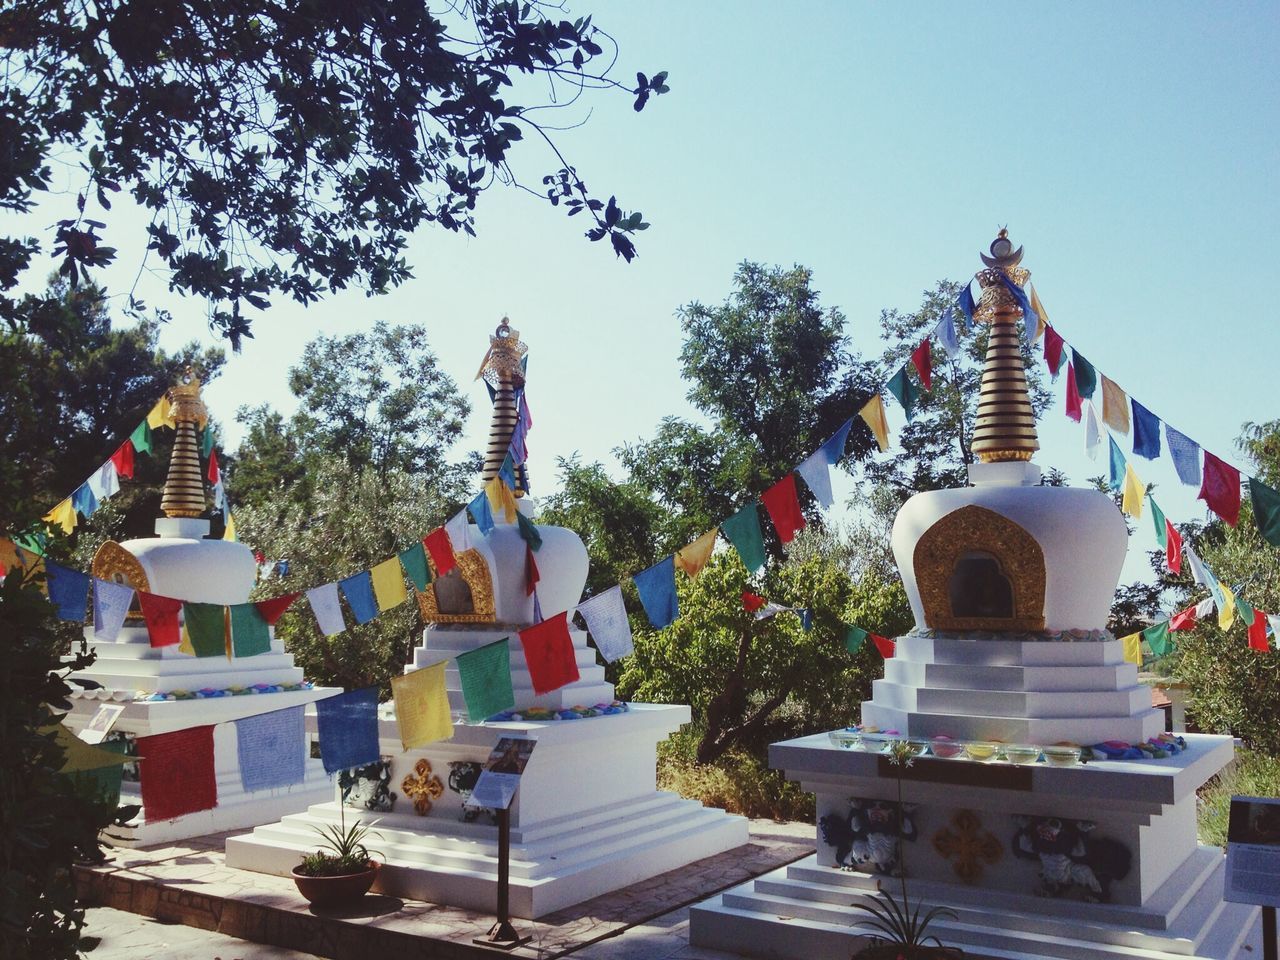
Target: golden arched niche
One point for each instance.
(978, 549)
(464, 596)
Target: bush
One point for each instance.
(1252, 774)
(738, 782)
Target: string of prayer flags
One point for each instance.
(1266, 510)
(1115, 406)
(1092, 432)
(743, 531)
(657, 589)
(1134, 493)
(250, 635)
(1086, 377)
(501, 499)
(751, 602)
(1116, 478)
(528, 532)
(273, 608)
(945, 331)
(872, 412)
(327, 609)
(83, 500)
(1258, 632)
(1183, 619)
(482, 513)
(967, 306)
(110, 607)
(270, 748)
(414, 561)
(63, 515)
(387, 578)
(1186, 456)
(1053, 352)
(1146, 431)
(68, 591)
(177, 773)
(1132, 645)
(922, 359)
(854, 638)
(206, 625)
(1220, 488)
(783, 503)
(347, 725)
(606, 618)
(1042, 318)
(549, 655)
(1074, 409)
(1157, 638)
(141, 437)
(694, 557)
(485, 676)
(886, 646)
(358, 589)
(816, 468)
(160, 614)
(440, 547)
(906, 392)
(422, 706)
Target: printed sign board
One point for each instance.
(500, 778)
(1253, 851)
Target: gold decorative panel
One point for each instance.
(971, 531)
(477, 608)
(115, 564)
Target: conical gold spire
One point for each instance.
(184, 484)
(502, 369)
(1006, 426)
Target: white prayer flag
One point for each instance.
(327, 609)
(606, 617)
(110, 607)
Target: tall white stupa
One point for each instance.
(165, 689)
(588, 817)
(1008, 674)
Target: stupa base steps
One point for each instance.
(805, 910)
(1042, 731)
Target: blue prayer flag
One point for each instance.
(806, 619)
(816, 468)
(1146, 431)
(657, 587)
(1186, 456)
(348, 728)
(84, 500)
(482, 513)
(1030, 318)
(68, 591)
(967, 305)
(945, 331)
(1117, 465)
(271, 749)
(358, 589)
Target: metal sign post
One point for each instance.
(502, 934)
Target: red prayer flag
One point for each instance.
(1053, 345)
(1220, 488)
(1172, 547)
(440, 547)
(1258, 632)
(548, 652)
(123, 459)
(752, 602)
(177, 773)
(161, 616)
(922, 357)
(1075, 409)
(531, 575)
(1183, 619)
(884, 645)
(213, 467)
(783, 503)
(273, 608)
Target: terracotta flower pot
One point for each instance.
(333, 891)
(892, 951)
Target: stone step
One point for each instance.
(966, 676)
(1014, 703)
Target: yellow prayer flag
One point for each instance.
(161, 414)
(501, 499)
(185, 645)
(9, 555)
(78, 755)
(1132, 648)
(695, 556)
(63, 515)
(388, 584)
(229, 531)
(422, 706)
(873, 413)
(1134, 493)
(1115, 406)
(1038, 307)
(1227, 609)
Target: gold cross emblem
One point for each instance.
(967, 846)
(422, 787)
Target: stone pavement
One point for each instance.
(188, 883)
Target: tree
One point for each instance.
(288, 148)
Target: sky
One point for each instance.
(1132, 149)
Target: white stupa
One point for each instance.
(1010, 585)
(588, 817)
(165, 689)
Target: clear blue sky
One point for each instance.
(1132, 148)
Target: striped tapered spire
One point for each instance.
(1006, 424)
(184, 494)
(503, 370)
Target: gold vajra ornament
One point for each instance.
(967, 846)
(422, 787)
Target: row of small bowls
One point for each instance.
(945, 748)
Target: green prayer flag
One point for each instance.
(1266, 510)
(528, 532)
(414, 561)
(1157, 517)
(854, 637)
(1157, 638)
(141, 437)
(743, 531)
(905, 390)
(1086, 376)
(485, 674)
(206, 442)
(1245, 611)
(206, 625)
(249, 633)
(103, 782)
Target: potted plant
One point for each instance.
(342, 869)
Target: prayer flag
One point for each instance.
(206, 625)
(906, 392)
(485, 676)
(1074, 410)
(743, 531)
(1115, 406)
(531, 578)
(528, 532)
(1186, 456)
(347, 725)
(501, 499)
(1134, 493)
(63, 515)
(422, 706)
(1273, 622)
(1092, 433)
(161, 617)
(1157, 517)
(694, 557)
(606, 617)
(965, 300)
(1244, 611)
(68, 591)
(84, 501)
(783, 503)
(854, 638)
(273, 608)
(388, 584)
(806, 619)
(358, 589)
(1258, 632)
(106, 482)
(440, 547)
(1183, 619)
(110, 607)
(816, 469)
(1200, 573)
(1227, 608)
(206, 441)
(161, 414)
(873, 413)
(886, 646)
(177, 773)
(1220, 488)
(1042, 318)
(1030, 320)
(1157, 638)
(1173, 547)
(1053, 352)
(414, 561)
(1133, 648)
(922, 359)
(1266, 510)
(250, 635)
(773, 609)
(1204, 608)
(270, 748)
(548, 653)
(459, 531)
(229, 530)
(214, 475)
(103, 781)
(657, 588)
(327, 609)
(1116, 479)
(945, 331)
(141, 437)
(751, 602)
(1146, 431)
(10, 555)
(1085, 376)
(482, 513)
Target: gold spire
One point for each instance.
(1006, 426)
(502, 368)
(184, 484)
